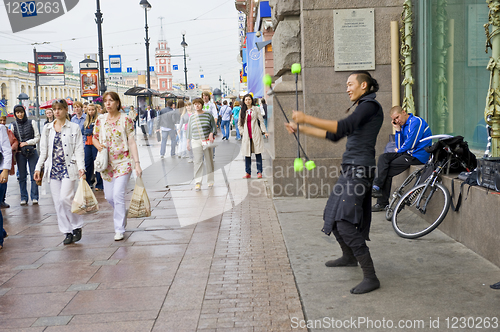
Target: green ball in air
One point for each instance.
(267, 80)
(298, 165)
(310, 165)
(296, 68)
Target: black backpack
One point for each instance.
(462, 159)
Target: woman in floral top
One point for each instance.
(118, 138)
(61, 152)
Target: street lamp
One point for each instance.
(98, 20)
(147, 6)
(184, 45)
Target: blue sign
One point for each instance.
(151, 68)
(129, 69)
(175, 67)
(115, 63)
(106, 70)
(202, 76)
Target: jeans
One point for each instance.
(3, 191)
(90, 154)
(114, 192)
(225, 128)
(248, 164)
(173, 141)
(238, 136)
(22, 163)
(183, 146)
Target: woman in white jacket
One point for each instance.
(61, 153)
(5, 164)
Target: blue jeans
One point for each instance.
(22, 163)
(248, 163)
(3, 191)
(150, 126)
(173, 141)
(225, 128)
(238, 136)
(90, 154)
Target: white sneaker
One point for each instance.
(35, 202)
(118, 236)
(23, 202)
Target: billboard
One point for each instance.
(51, 68)
(89, 79)
(51, 80)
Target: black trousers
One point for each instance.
(350, 235)
(389, 165)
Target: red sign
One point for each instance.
(89, 79)
(31, 67)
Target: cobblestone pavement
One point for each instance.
(213, 260)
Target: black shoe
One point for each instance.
(376, 193)
(378, 207)
(4, 205)
(77, 234)
(68, 239)
(496, 286)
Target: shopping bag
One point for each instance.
(139, 205)
(84, 201)
(101, 160)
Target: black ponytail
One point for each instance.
(372, 84)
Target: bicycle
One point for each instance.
(429, 199)
(414, 179)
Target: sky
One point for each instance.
(211, 28)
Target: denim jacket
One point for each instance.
(71, 137)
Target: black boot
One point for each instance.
(68, 239)
(77, 234)
(370, 281)
(347, 258)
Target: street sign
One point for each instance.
(175, 67)
(191, 86)
(51, 80)
(202, 76)
(106, 70)
(115, 64)
(44, 57)
(115, 77)
(89, 64)
(129, 69)
(151, 68)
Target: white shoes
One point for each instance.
(118, 236)
(23, 202)
(35, 202)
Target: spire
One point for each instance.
(162, 36)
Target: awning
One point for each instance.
(140, 91)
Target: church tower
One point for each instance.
(163, 63)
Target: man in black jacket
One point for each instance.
(348, 211)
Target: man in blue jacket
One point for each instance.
(410, 129)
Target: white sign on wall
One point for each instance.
(354, 39)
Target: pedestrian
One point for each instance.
(50, 116)
(226, 113)
(183, 125)
(132, 114)
(5, 166)
(201, 127)
(123, 156)
(236, 116)
(62, 156)
(89, 149)
(150, 116)
(165, 126)
(251, 128)
(348, 210)
(14, 144)
(79, 116)
(209, 106)
(85, 106)
(26, 132)
(100, 110)
(263, 110)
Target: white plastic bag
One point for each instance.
(84, 201)
(140, 206)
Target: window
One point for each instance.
(452, 70)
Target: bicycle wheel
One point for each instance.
(408, 183)
(421, 210)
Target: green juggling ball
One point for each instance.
(268, 80)
(298, 165)
(296, 68)
(310, 165)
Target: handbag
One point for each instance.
(27, 150)
(140, 206)
(101, 159)
(84, 200)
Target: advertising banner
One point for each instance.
(255, 66)
(44, 57)
(89, 82)
(51, 68)
(31, 67)
(51, 80)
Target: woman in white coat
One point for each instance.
(61, 154)
(251, 126)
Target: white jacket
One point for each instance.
(5, 149)
(72, 142)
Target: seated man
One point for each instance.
(410, 130)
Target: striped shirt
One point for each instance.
(201, 122)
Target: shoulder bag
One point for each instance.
(101, 159)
